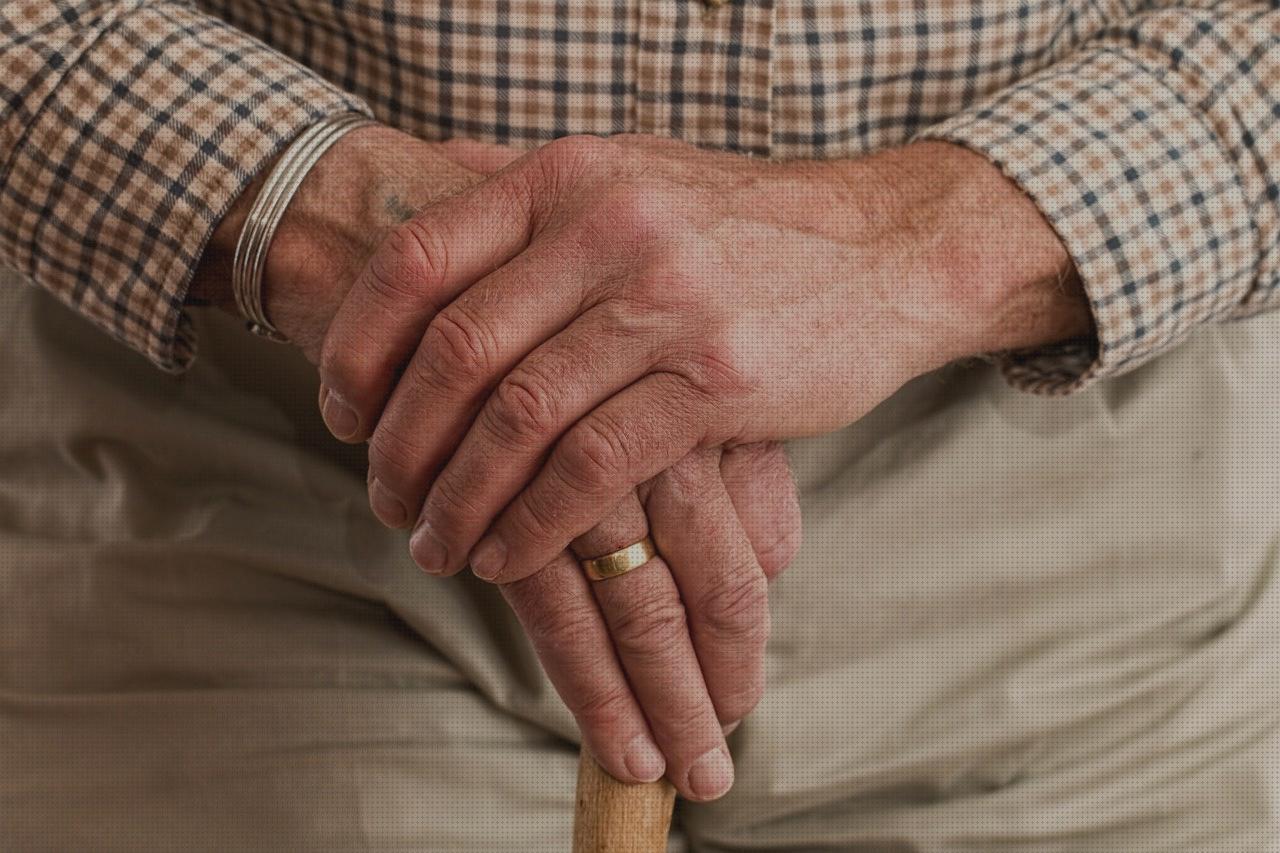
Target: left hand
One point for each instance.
(632, 299)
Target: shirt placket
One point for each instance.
(703, 72)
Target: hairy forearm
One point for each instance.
(986, 268)
(992, 271)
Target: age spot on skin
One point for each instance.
(397, 208)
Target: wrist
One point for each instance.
(978, 252)
(370, 180)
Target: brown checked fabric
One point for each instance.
(1147, 132)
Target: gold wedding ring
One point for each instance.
(621, 561)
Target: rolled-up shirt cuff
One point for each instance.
(1145, 199)
(154, 120)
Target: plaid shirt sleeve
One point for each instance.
(1154, 151)
(128, 128)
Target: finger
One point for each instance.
(724, 591)
(629, 438)
(479, 156)
(560, 615)
(536, 403)
(418, 269)
(466, 349)
(758, 480)
(649, 630)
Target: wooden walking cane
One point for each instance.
(614, 817)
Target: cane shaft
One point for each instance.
(613, 817)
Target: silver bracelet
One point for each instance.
(268, 209)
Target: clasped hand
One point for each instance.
(606, 333)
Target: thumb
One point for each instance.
(483, 157)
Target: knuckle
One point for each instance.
(522, 411)
(411, 261)
(736, 610)
(557, 630)
(687, 483)
(574, 150)
(557, 164)
(639, 211)
(425, 372)
(520, 189)
(450, 502)
(650, 626)
(595, 454)
(601, 707)
(457, 350)
(717, 372)
(392, 456)
(533, 522)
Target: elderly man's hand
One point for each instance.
(691, 624)
(602, 307)
(652, 664)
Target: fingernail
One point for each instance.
(339, 417)
(643, 759)
(711, 775)
(386, 506)
(488, 558)
(427, 550)
(729, 729)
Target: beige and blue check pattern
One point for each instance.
(1147, 132)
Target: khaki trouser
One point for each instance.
(1016, 624)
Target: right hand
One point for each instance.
(628, 662)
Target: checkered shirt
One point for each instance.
(1147, 131)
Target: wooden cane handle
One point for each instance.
(614, 817)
